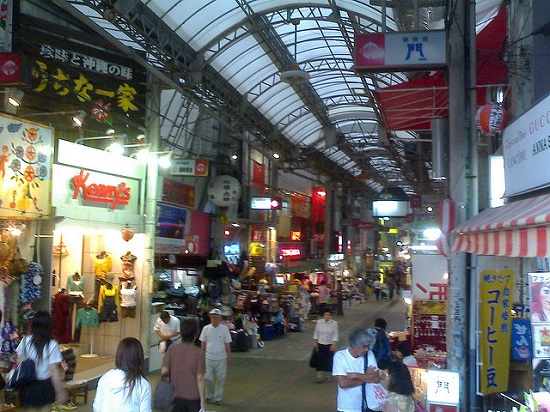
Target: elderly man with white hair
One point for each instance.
(350, 373)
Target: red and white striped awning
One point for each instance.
(517, 229)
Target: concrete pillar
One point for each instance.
(459, 133)
(152, 122)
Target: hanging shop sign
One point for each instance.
(15, 70)
(386, 52)
(522, 348)
(25, 168)
(178, 193)
(189, 167)
(265, 203)
(526, 148)
(495, 324)
(66, 69)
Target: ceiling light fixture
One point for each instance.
(112, 136)
(78, 118)
(295, 75)
(276, 155)
(15, 97)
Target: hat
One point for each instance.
(216, 312)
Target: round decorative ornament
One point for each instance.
(491, 118)
(224, 191)
(127, 233)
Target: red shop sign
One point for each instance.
(100, 193)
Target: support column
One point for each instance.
(152, 122)
(459, 132)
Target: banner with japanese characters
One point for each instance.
(84, 72)
(25, 168)
(495, 326)
(522, 346)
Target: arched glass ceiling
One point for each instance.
(249, 42)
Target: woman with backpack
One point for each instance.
(44, 351)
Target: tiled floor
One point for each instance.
(277, 377)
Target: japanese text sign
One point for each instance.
(394, 51)
(522, 348)
(495, 324)
(443, 387)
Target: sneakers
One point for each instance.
(218, 402)
(66, 407)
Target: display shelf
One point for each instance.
(429, 324)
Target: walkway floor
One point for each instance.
(277, 377)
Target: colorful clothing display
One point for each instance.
(75, 284)
(128, 261)
(61, 318)
(108, 302)
(30, 283)
(103, 264)
(87, 318)
(10, 340)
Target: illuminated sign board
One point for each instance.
(290, 251)
(335, 257)
(265, 203)
(443, 387)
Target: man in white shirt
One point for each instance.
(216, 344)
(350, 373)
(168, 329)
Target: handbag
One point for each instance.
(314, 359)
(163, 397)
(374, 394)
(22, 374)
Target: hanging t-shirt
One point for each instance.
(75, 287)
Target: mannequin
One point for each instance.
(128, 261)
(75, 285)
(87, 317)
(103, 264)
(128, 292)
(108, 300)
(75, 290)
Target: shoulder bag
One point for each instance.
(374, 395)
(23, 373)
(163, 397)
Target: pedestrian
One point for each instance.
(167, 327)
(339, 298)
(215, 342)
(44, 350)
(381, 346)
(325, 339)
(377, 286)
(400, 389)
(350, 373)
(324, 294)
(125, 389)
(391, 287)
(404, 353)
(185, 365)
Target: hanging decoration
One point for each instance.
(127, 233)
(491, 118)
(224, 191)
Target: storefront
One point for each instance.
(98, 262)
(511, 245)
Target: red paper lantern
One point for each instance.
(491, 118)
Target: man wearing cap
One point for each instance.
(215, 342)
(168, 329)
